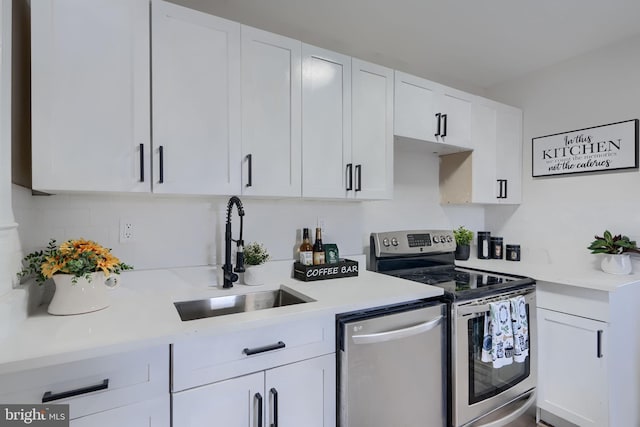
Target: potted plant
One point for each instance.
(255, 255)
(616, 250)
(463, 237)
(79, 269)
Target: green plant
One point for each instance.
(255, 254)
(463, 236)
(78, 257)
(610, 244)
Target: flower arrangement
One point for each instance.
(614, 245)
(78, 257)
(255, 254)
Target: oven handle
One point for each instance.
(397, 334)
(507, 419)
(477, 309)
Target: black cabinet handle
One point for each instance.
(49, 397)
(274, 394)
(438, 119)
(444, 118)
(249, 170)
(258, 398)
(500, 187)
(505, 189)
(271, 347)
(600, 332)
(141, 162)
(161, 152)
(349, 173)
(359, 177)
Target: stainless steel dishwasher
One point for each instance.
(392, 366)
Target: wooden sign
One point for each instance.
(599, 148)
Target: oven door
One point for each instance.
(479, 388)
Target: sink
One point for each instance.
(220, 306)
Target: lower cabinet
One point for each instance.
(293, 395)
(573, 356)
(151, 413)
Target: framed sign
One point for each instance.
(599, 148)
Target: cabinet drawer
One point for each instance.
(150, 413)
(92, 385)
(205, 360)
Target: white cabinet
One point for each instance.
(90, 95)
(271, 114)
(301, 393)
(572, 357)
(428, 111)
(492, 172)
(196, 102)
(151, 413)
(372, 130)
(327, 170)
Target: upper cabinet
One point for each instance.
(196, 102)
(327, 170)
(271, 114)
(492, 172)
(372, 131)
(429, 111)
(90, 95)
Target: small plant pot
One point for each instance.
(462, 252)
(255, 275)
(616, 264)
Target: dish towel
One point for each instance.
(497, 346)
(520, 328)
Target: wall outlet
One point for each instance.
(127, 231)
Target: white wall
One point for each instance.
(563, 213)
(183, 231)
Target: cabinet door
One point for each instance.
(484, 182)
(196, 102)
(90, 95)
(455, 106)
(414, 107)
(572, 354)
(230, 403)
(150, 413)
(509, 148)
(326, 123)
(302, 393)
(372, 130)
(271, 114)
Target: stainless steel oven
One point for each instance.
(480, 395)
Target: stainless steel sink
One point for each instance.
(220, 306)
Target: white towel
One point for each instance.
(520, 328)
(498, 335)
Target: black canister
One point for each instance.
(496, 248)
(513, 252)
(484, 244)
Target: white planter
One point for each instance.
(616, 264)
(255, 275)
(82, 296)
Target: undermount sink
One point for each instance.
(220, 306)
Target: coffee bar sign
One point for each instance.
(600, 148)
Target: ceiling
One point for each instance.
(470, 44)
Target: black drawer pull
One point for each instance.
(599, 344)
(439, 121)
(161, 152)
(444, 133)
(258, 398)
(141, 162)
(349, 172)
(249, 171)
(274, 412)
(277, 346)
(48, 396)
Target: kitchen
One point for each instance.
(590, 89)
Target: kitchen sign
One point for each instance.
(599, 148)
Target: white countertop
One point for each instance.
(142, 312)
(590, 276)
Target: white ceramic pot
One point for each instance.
(82, 296)
(616, 264)
(254, 275)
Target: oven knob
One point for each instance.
(394, 241)
(385, 242)
(449, 239)
(436, 239)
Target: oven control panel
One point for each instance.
(412, 242)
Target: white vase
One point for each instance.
(82, 296)
(254, 275)
(616, 264)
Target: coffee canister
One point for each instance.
(496, 248)
(484, 244)
(513, 252)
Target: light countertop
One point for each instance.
(142, 312)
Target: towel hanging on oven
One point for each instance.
(520, 328)
(498, 341)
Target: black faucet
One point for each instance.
(228, 270)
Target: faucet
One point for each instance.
(228, 270)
